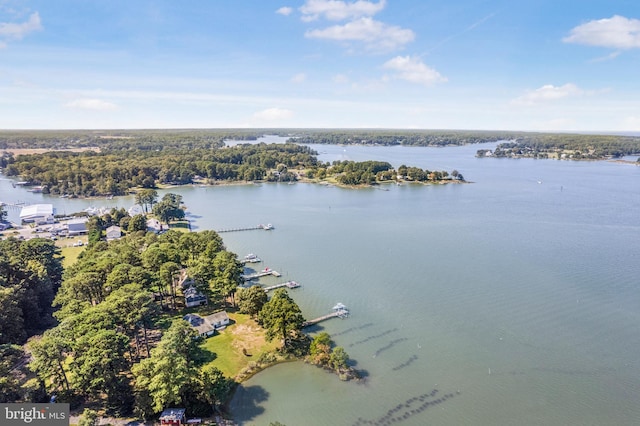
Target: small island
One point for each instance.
(107, 164)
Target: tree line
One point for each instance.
(115, 171)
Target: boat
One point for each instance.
(339, 307)
(252, 258)
(267, 227)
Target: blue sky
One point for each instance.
(469, 64)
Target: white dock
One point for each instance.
(288, 284)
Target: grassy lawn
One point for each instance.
(242, 333)
(70, 255)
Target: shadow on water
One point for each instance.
(247, 400)
(389, 346)
(377, 336)
(406, 363)
(349, 330)
(411, 407)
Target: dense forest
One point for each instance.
(114, 171)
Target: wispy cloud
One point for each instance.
(611, 56)
(299, 78)
(375, 35)
(91, 104)
(335, 10)
(273, 114)
(413, 70)
(285, 10)
(471, 27)
(616, 32)
(548, 93)
(17, 31)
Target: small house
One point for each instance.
(208, 325)
(202, 326)
(192, 297)
(218, 320)
(173, 417)
(113, 232)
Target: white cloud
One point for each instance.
(13, 31)
(548, 93)
(631, 123)
(273, 114)
(286, 11)
(91, 104)
(299, 78)
(413, 70)
(340, 79)
(374, 34)
(335, 10)
(616, 32)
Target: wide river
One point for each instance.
(513, 300)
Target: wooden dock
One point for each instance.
(262, 273)
(267, 227)
(341, 313)
(288, 284)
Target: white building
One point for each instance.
(113, 233)
(38, 213)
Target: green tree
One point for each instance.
(11, 322)
(168, 373)
(146, 198)
(339, 359)
(166, 212)
(320, 349)
(137, 223)
(49, 353)
(3, 213)
(88, 418)
(227, 274)
(251, 300)
(281, 317)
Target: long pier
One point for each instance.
(262, 273)
(267, 227)
(338, 313)
(288, 284)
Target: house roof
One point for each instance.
(172, 414)
(36, 210)
(78, 221)
(217, 317)
(206, 324)
(114, 228)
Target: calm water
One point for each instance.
(518, 299)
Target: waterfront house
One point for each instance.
(173, 417)
(207, 326)
(113, 232)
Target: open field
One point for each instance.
(242, 333)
